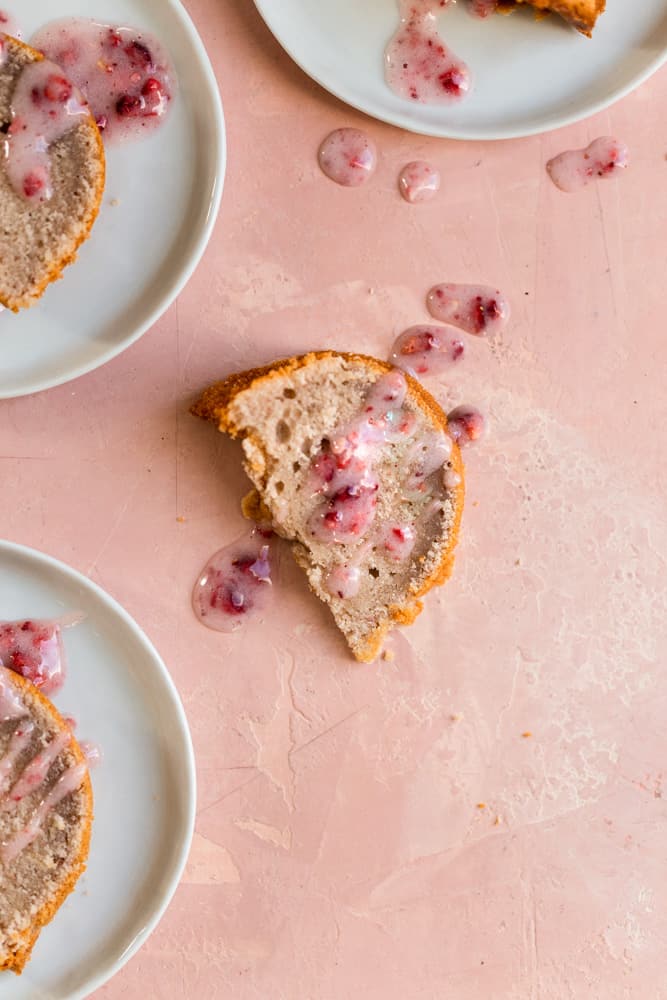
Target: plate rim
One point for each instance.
(15, 549)
(463, 134)
(185, 272)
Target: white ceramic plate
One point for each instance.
(528, 77)
(122, 697)
(142, 250)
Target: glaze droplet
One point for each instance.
(477, 309)
(348, 157)
(426, 350)
(576, 168)
(465, 425)
(234, 585)
(418, 181)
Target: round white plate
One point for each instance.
(161, 201)
(122, 697)
(528, 77)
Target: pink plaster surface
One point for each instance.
(340, 851)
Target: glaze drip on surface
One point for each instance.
(576, 168)
(235, 584)
(478, 309)
(418, 181)
(348, 157)
(125, 74)
(418, 65)
(426, 350)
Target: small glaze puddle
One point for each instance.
(418, 182)
(34, 649)
(465, 425)
(235, 584)
(125, 74)
(418, 64)
(426, 350)
(348, 157)
(477, 309)
(576, 168)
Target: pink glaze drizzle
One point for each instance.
(465, 425)
(344, 472)
(418, 65)
(11, 706)
(477, 309)
(125, 74)
(68, 782)
(426, 350)
(45, 106)
(36, 771)
(34, 649)
(348, 157)
(17, 744)
(234, 585)
(398, 540)
(574, 169)
(418, 181)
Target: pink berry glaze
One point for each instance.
(426, 350)
(45, 106)
(125, 74)
(398, 540)
(465, 425)
(418, 64)
(344, 472)
(235, 584)
(482, 8)
(348, 157)
(34, 649)
(576, 168)
(9, 24)
(477, 309)
(418, 181)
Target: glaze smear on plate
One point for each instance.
(125, 74)
(418, 65)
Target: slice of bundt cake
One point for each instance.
(51, 173)
(352, 460)
(45, 815)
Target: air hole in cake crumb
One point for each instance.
(306, 446)
(374, 572)
(296, 467)
(280, 486)
(283, 433)
(289, 393)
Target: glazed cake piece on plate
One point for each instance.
(45, 816)
(51, 173)
(352, 462)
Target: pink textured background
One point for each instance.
(340, 852)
